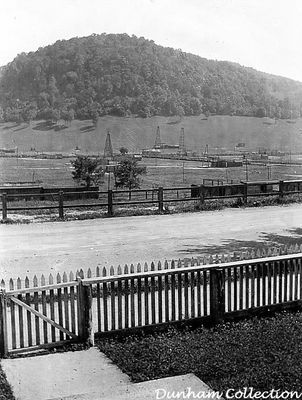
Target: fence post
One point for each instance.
(217, 300)
(281, 189)
(245, 193)
(84, 304)
(61, 204)
(4, 206)
(201, 194)
(110, 203)
(160, 199)
(3, 324)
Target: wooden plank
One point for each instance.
(160, 295)
(112, 301)
(12, 317)
(40, 288)
(152, 291)
(20, 313)
(3, 324)
(296, 276)
(235, 286)
(291, 276)
(167, 306)
(173, 292)
(269, 283)
(198, 286)
(132, 304)
(28, 315)
(126, 297)
(186, 294)
(36, 305)
(300, 277)
(253, 277)
(72, 310)
(205, 293)
(105, 302)
(44, 310)
(247, 286)
(192, 284)
(43, 317)
(285, 282)
(229, 288)
(66, 303)
(119, 300)
(264, 283)
(258, 282)
(60, 305)
(241, 291)
(52, 309)
(280, 283)
(179, 290)
(146, 298)
(98, 302)
(275, 275)
(139, 298)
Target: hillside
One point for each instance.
(139, 133)
(120, 75)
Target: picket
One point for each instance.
(138, 295)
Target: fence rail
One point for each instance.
(76, 307)
(158, 197)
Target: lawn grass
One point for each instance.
(5, 389)
(261, 353)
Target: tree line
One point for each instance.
(122, 75)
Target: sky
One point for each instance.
(263, 34)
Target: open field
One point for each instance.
(139, 133)
(56, 172)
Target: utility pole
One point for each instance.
(183, 172)
(246, 169)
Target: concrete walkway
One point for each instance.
(89, 375)
(63, 374)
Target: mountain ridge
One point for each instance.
(118, 74)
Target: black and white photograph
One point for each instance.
(150, 199)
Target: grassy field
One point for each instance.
(139, 133)
(263, 354)
(159, 172)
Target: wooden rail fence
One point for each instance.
(159, 197)
(76, 307)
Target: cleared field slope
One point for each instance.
(139, 133)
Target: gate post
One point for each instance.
(217, 300)
(84, 303)
(3, 325)
(4, 206)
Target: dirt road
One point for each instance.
(52, 247)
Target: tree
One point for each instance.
(127, 174)
(88, 170)
(123, 150)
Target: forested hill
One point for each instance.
(121, 75)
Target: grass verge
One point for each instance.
(89, 212)
(262, 353)
(5, 389)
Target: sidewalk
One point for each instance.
(63, 374)
(89, 375)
